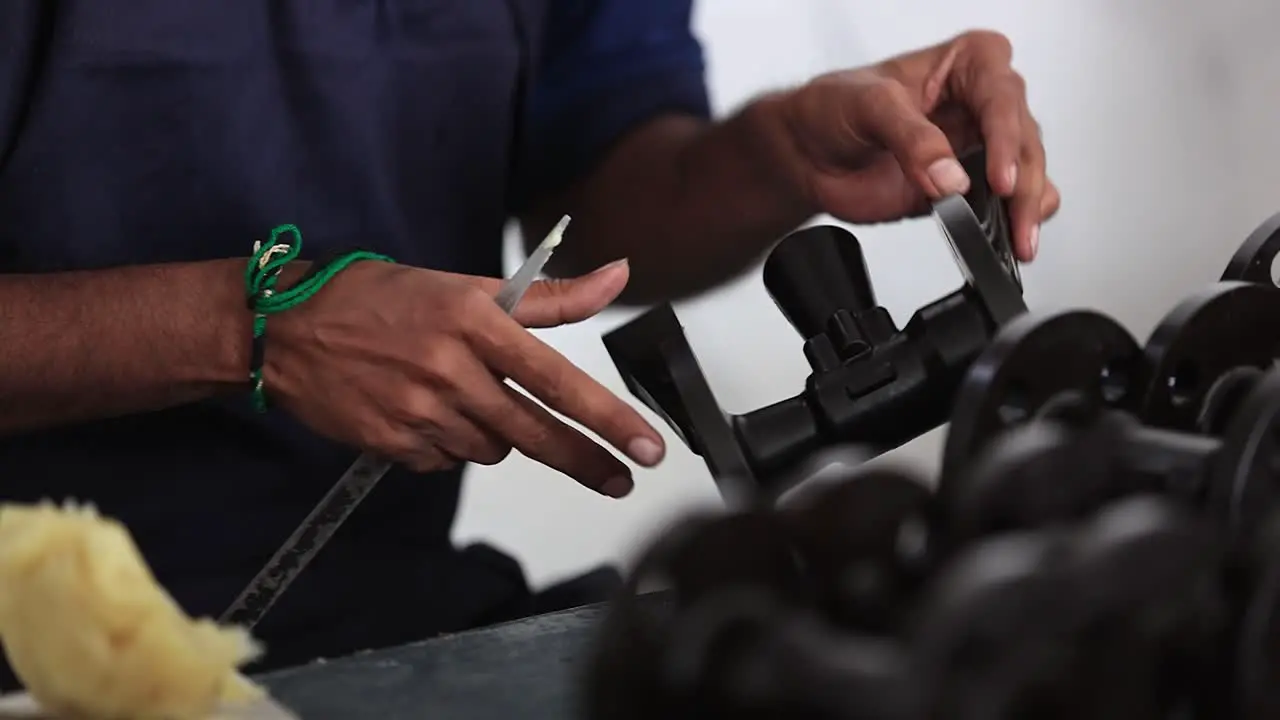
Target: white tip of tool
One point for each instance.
(556, 235)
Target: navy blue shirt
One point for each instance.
(160, 131)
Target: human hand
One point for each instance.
(878, 143)
(408, 363)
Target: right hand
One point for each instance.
(409, 364)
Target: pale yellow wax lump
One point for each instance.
(91, 634)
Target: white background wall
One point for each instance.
(1162, 124)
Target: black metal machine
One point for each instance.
(1105, 616)
(1255, 260)
(1103, 542)
(872, 383)
(1191, 411)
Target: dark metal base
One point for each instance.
(528, 669)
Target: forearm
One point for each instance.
(690, 204)
(84, 345)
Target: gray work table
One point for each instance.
(528, 669)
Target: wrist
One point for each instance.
(227, 363)
(282, 330)
(285, 331)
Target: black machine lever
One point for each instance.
(873, 384)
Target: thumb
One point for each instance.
(549, 303)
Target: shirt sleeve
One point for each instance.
(606, 67)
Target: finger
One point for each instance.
(456, 434)
(998, 104)
(387, 436)
(1024, 206)
(570, 451)
(510, 351)
(935, 84)
(426, 434)
(984, 81)
(1050, 202)
(958, 124)
(885, 112)
(427, 458)
(549, 303)
(538, 434)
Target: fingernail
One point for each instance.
(617, 487)
(615, 264)
(1011, 176)
(1034, 241)
(645, 451)
(949, 177)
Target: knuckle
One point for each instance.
(444, 461)
(491, 453)
(1034, 157)
(991, 39)
(383, 435)
(842, 80)
(923, 139)
(1052, 201)
(430, 462)
(554, 383)
(1035, 133)
(459, 305)
(885, 90)
(473, 302)
(1017, 83)
(538, 436)
(413, 409)
(535, 438)
(444, 359)
(421, 465)
(402, 446)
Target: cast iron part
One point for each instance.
(698, 559)
(1255, 665)
(1254, 260)
(1086, 620)
(1051, 471)
(855, 549)
(1147, 585)
(707, 553)
(987, 632)
(872, 384)
(1056, 363)
(865, 541)
(1205, 354)
(738, 614)
(849, 552)
(739, 655)
(1028, 477)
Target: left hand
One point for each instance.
(878, 143)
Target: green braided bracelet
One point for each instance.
(260, 276)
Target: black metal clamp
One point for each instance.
(873, 384)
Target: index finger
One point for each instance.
(510, 350)
(985, 82)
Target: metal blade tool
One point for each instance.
(356, 484)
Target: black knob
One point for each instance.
(813, 273)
